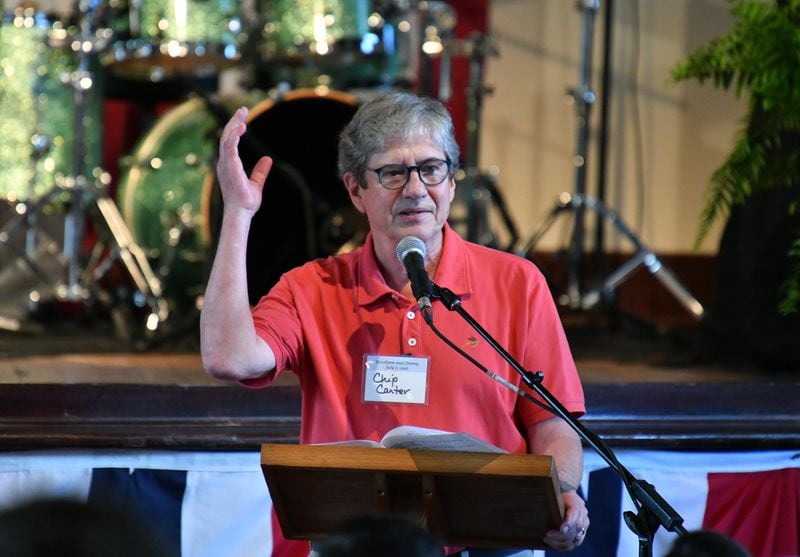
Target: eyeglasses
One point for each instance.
(431, 172)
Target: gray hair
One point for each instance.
(396, 117)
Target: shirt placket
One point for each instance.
(411, 331)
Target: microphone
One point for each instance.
(411, 252)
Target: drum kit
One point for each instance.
(303, 67)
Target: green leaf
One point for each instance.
(759, 59)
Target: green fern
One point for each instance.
(760, 57)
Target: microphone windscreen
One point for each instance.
(408, 245)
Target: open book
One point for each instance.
(421, 438)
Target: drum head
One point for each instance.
(306, 212)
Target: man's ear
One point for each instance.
(354, 191)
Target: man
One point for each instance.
(706, 543)
(341, 322)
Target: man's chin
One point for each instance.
(419, 229)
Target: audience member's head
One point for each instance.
(71, 528)
(706, 543)
(384, 535)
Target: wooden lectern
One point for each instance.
(466, 499)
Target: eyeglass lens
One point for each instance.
(431, 172)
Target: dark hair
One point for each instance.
(397, 117)
(706, 543)
(48, 527)
(388, 535)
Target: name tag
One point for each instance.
(395, 379)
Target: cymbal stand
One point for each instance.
(579, 202)
(480, 188)
(122, 244)
(88, 196)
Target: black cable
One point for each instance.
(484, 369)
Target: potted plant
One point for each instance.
(759, 59)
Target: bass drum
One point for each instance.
(164, 196)
(170, 198)
(306, 211)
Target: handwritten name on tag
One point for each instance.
(395, 379)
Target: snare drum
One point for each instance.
(160, 39)
(37, 109)
(171, 201)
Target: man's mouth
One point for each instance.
(411, 212)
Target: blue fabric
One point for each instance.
(155, 496)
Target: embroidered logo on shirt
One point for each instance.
(472, 342)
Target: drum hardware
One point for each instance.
(83, 195)
(183, 230)
(438, 22)
(420, 37)
(579, 202)
(479, 191)
(24, 281)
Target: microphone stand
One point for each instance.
(652, 510)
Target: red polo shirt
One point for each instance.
(322, 318)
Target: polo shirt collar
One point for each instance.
(372, 285)
(452, 273)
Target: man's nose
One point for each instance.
(415, 187)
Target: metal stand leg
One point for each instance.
(585, 300)
(478, 189)
(27, 217)
(578, 203)
(135, 262)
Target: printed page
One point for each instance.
(416, 438)
(353, 443)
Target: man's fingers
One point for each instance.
(261, 170)
(229, 142)
(234, 129)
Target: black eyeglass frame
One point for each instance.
(418, 169)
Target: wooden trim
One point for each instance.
(699, 416)
(702, 416)
(147, 416)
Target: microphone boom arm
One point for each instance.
(652, 509)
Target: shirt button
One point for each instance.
(411, 315)
(412, 341)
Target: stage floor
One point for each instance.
(76, 351)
